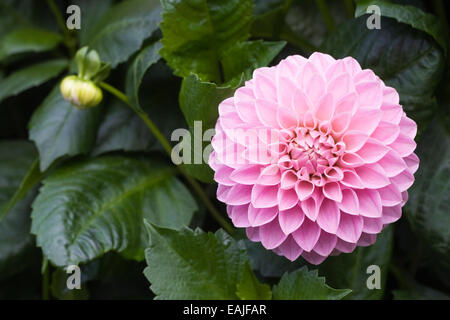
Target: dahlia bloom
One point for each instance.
(313, 156)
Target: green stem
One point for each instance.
(168, 148)
(68, 41)
(326, 15)
(45, 270)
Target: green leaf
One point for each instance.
(199, 101)
(92, 12)
(90, 207)
(29, 77)
(30, 179)
(428, 207)
(244, 57)
(15, 238)
(249, 288)
(144, 60)
(27, 39)
(122, 30)
(401, 56)
(306, 285)
(410, 15)
(59, 129)
(268, 263)
(350, 270)
(196, 34)
(186, 264)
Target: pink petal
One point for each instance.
(370, 94)
(239, 194)
(347, 104)
(392, 164)
(222, 175)
(290, 249)
(291, 219)
(404, 145)
(391, 214)
(245, 105)
(340, 122)
(369, 203)
(288, 179)
(316, 88)
(270, 176)
(253, 234)
(246, 174)
(349, 203)
(313, 257)
(340, 86)
(372, 177)
(336, 68)
(301, 103)
(354, 140)
(304, 189)
(372, 151)
(329, 215)
(260, 216)
(408, 127)
(325, 244)
(390, 196)
(391, 113)
(351, 179)
(365, 120)
(264, 87)
(351, 160)
(403, 181)
(264, 196)
(412, 161)
(352, 65)
(287, 198)
(390, 95)
(372, 225)
(322, 61)
(386, 132)
(222, 192)
(267, 113)
(365, 76)
(367, 239)
(287, 118)
(271, 235)
(332, 191)
(350, 228)
(325, 108)
(307, 235)
(285, 91)
(344, 246)
(239, 216)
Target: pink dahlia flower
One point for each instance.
(313, 156)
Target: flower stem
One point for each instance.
(326, 15)
(168, 148)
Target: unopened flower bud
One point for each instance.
(81, 93)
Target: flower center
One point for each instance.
(311, 154)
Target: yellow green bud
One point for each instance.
(81, 93)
